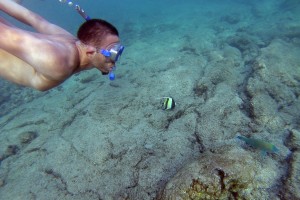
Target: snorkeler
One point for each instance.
(46, 58)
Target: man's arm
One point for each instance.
(30, 18)
(36, 50)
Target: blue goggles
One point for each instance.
(113, 52)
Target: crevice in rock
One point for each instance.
(32, 195)
(201, 147)
(12, 117)
(37, 149)
(246, 106)
(174, 117)
(10, 151)
(136, 173)
(221, 175)
(284, 191)
(31, 123)
(71, 119)
(78, 152)
(196, 134)
(119, 155)
(57, 176)
(285, 180)
(250, 50)
(135, 180)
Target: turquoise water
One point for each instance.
(232, 67)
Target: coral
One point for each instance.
(235, 175)
(230, 190)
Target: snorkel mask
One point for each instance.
(113, 52)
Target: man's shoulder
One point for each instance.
(64, 54)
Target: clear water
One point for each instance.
(232, 66)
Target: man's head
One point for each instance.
(99, 37)
(93, 31)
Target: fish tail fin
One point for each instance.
(275, 150)
(241, 137)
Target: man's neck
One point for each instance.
(83, 59)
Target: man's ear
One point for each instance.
(90, 50)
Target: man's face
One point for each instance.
(101, 62)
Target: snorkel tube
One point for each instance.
(82, 13)
(86, 17)
(77, 7)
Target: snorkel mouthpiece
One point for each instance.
(112, 76)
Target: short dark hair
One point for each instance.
(93, 31)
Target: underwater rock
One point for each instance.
(248, 45)
(11, 150)
(189, 50)
(289, 5)
(231, 19)
(241, 42)
(292, 182)
(200, 89)
(274, 89)
(88, 79)
(4, 98)
(265, 112)
(27, 137)
(265, 8)
(235, 175)
(292, 30)
(1, 182)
